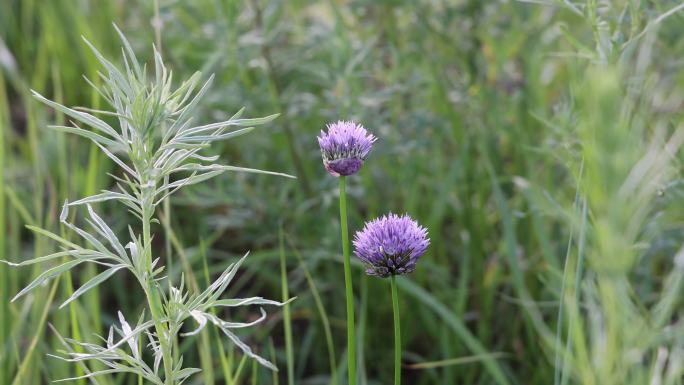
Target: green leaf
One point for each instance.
(235, 325)
(211, 293)
(222, 168)
(192, 179)
(228, 123)
(456, 361)
(212, 138)
(104, 196)
(107, 232)
(129, 51)
(246, 349)
(234, 302)
(82, 117)
(53, 236)
(183, 374)
(47, 275)
(39, 259)
(189, 108)
(96, 280)
(97, 138)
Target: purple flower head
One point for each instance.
(390, 245)
(344, 147)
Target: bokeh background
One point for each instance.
(536, 140)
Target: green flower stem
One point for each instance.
(351, 326)
(397, 331)
(152, 291)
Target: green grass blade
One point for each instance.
(424, 297)
(287, 320)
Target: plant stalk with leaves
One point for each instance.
(155, 163)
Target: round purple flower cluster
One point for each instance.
(391, 245)
(344, 147)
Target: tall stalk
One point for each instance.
(351, 326)
(344, 148)
(397, 331)
(153, 293)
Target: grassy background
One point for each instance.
(536, 140)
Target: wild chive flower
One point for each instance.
(391, 245)
(344, 147)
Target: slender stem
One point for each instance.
(351, 326)
(157, 25)
(322, 313)
(287, 319)
(397, 332)
(152, 291)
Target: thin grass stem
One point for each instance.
(351, 327)
(287, 319)
(323, 314)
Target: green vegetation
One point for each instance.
(538, 141)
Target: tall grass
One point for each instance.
(537, 141)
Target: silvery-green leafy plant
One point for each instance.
(158, 150)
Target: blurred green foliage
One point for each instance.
(537, 140)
